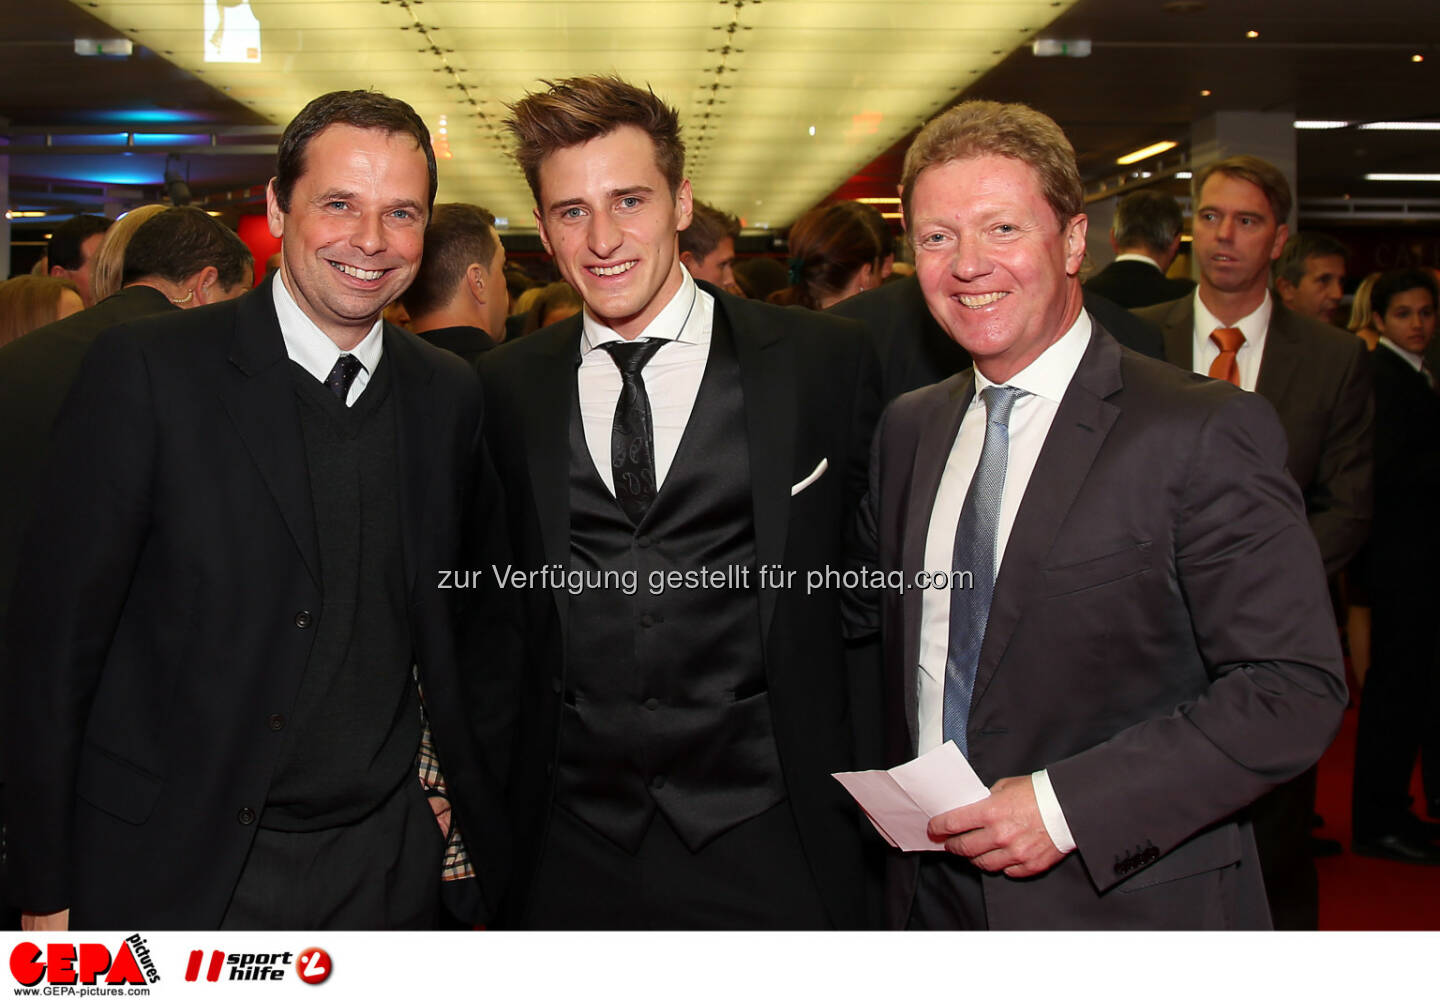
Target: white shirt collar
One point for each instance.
(1140, 256)
(1049, 375)
(679, 320)
(1416, 361)
(307, 344)
(1253, 326)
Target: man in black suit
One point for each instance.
(1398, 566)
(683, 697)
(180, 259)
(915, 351)
(231, 583)
(1309, 275)
(71, 251)
(1318, 379)
(458, 299)
(1133, 643)
(1146, 238)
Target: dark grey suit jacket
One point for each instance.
(1319, 381)
(1160, 638)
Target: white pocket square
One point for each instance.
(819, 471)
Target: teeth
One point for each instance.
(977, 301)
(356, 272)
(605, 272)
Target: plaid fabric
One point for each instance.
(457, 858)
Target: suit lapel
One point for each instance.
(768, 379)
(261, 403)
(1081, 425)
(546, 402)
(1281, 358)
(416, 445)
(1178, 328)
(932, 452)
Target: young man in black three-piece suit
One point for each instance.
(676, 734)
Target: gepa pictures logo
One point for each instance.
(64, 963)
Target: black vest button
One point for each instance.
(276, 723)
(246, 816)
(643, 541)
(652, 703)
(658, 781)
(646, 620)
(303, 619)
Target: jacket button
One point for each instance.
(556, 686)
(643, 541)
(246, 816)
(276, 723)
(646, 620)
(652, 703)
(303, 619)
(658, 781)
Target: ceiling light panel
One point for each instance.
(750, 79)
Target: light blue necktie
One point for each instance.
(975, 536)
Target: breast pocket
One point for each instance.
(1097, 572)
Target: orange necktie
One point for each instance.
(1229, 339)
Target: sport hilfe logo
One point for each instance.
(247, 966)
(63, 963)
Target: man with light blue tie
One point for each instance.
(1133, 646)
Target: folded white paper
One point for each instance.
(901, 801)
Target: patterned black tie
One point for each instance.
(340, 377)
(632, 436)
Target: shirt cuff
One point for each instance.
(1051, 814)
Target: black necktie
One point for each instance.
(632, 437)
(340, 377)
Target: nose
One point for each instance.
(1225, 228)
(604, 236)
(369, 235)
(969, 259)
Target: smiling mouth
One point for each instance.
(980, 301)
(606, 272)
(356, 272)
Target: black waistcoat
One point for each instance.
(665, 702)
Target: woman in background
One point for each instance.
(110, 258)
(32, 301)
(834, 254)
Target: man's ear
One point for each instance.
(684, 205)
(1075, 231)
(544, 237)
(204, 286)
(273, 216)
(475, 282)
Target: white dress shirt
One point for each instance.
(1140, 256)
(1044, 380)
(1415, 361)
(672, 377)
(1205, 351)
(310, 348)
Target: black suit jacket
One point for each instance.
(469, 342)
(914, 350)
(809, 395)
(1318, 379)
(1159, 638)
(36, 373)
(162, 617)
(1134, 283)
(1404, 545)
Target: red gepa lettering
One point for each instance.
(66, 964)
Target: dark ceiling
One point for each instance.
(1150, 61)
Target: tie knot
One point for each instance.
(631, 356)
(998, 400)
(347, 366)
(1228, 339)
